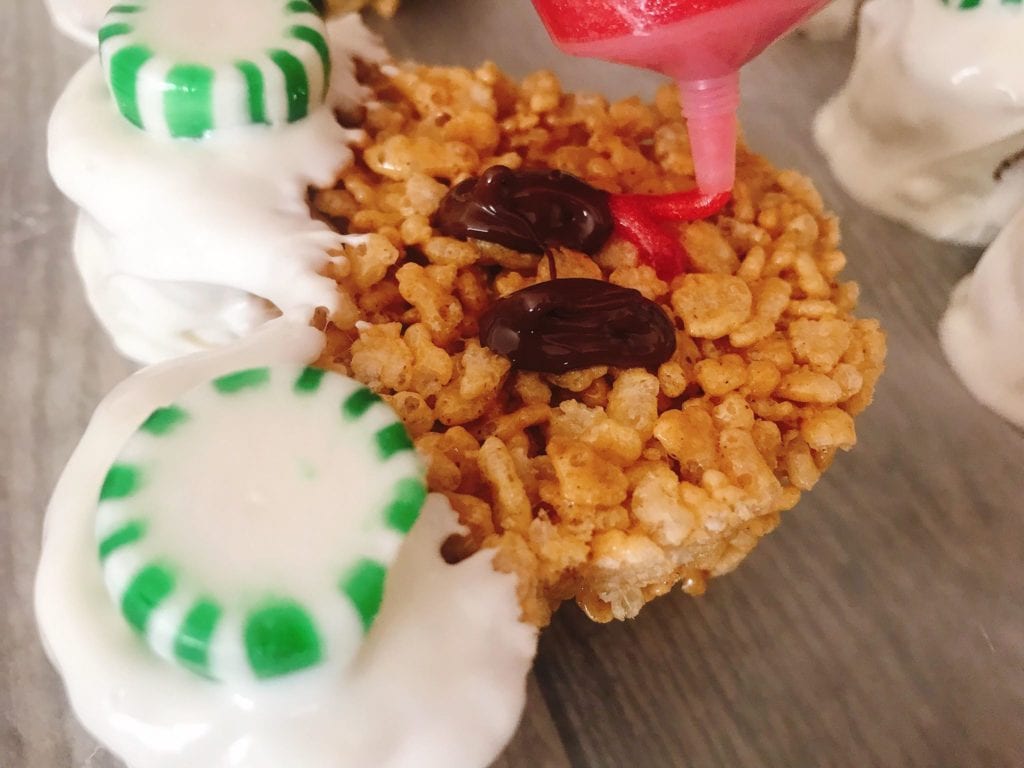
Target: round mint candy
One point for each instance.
(966, 5)
(246, 530)
(185, 68)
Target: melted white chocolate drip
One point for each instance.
(187, 245)
(933, 105)
(440, 680)
(983, 330)
(159, 320)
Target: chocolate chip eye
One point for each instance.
(565, 325)
(527, 211)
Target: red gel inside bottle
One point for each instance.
(700, 43)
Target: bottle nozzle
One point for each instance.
(710, 110)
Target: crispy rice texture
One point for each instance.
(604, 486)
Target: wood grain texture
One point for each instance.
(882, 625)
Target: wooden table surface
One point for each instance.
(882, 625)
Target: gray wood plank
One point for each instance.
(881, 625)
(56, 364)
(538, 742)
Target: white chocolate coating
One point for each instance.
(934, 104)
(439, 682)
(188, 245)
(982, 332)
(153, 320)
(79, 19)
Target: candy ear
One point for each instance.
(184, 70)
(243, 551)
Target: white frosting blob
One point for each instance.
(982, 332)
(832, 22)
(153, 320)
(187, 245)
(79, 19)
(439, 682)
(933, 105)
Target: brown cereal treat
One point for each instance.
(604, 485)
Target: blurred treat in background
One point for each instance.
(984, 325)
(833, 22)
(929, 126)
(383, 7)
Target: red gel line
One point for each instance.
(637, 220)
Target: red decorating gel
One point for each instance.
(583, 21)
(638, 219)
(656, 246)
(700, 43)
(681, 206)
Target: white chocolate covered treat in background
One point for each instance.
(982, 332)
(439, 679)
(926, 127)
(188, 243)
(832, 22)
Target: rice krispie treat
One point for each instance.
(607, 485)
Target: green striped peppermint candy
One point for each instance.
(184, 68)
(246, 530)
(965, 5)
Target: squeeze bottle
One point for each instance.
(700, 43)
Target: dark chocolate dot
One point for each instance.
(565, 325)
(528, 211)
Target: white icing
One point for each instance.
(191, 244)
(982, 332)
(933, 105)
(440, 681)
(79, 19)
(833, 22)
(159, 320)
